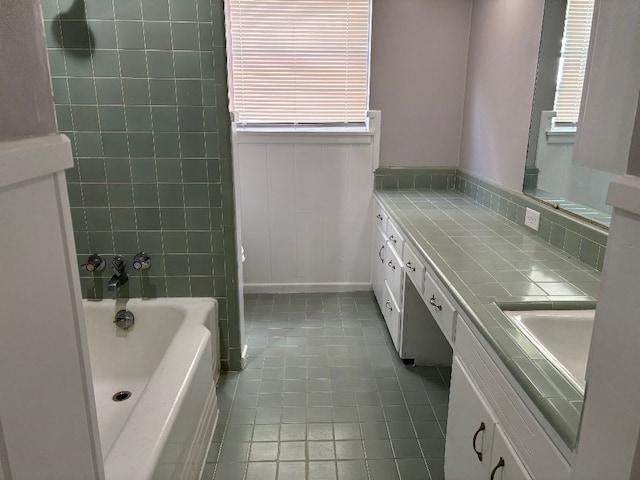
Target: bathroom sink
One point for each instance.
(563, 336)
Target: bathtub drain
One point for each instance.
(121, 396)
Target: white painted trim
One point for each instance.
(560, 136)
(624, 193)
(305, 287)
(292, 136)
(29, 158)
(244, 356)
(238, 224)
(374, 117)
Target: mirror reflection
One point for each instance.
(550, 174)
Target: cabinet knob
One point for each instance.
(432, 301)
(475, 438)
(393, 239)
(391, 264)
(410, 265)
(498, 466)
(379, 217)
(388, 305)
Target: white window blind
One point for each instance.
(575, 46)
(299, 61)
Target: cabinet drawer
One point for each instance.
(414, 268)
(380, 218)
(393, 272)
(531, 442)
(391, 314)
(439, 306)
(396, 240)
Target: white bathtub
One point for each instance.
(169, 362)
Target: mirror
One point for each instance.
(550, 175)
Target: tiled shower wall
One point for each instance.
(140, 89)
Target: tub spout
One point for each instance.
(117, 281)
(120, 277)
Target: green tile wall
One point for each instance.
(143, 97)
(433, 178)
(579, 239)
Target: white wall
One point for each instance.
(305, 212)
(501, 73)
(25, 88)
(418, 69)
(607, 446)
(48, 426)
(611, 86)
(47, 411)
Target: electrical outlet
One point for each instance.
(532, 219)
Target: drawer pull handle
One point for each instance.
(432, 301)
(409, 265)
(394, 239)
(388, 305)
(391, 264)
(380, 254)
(475, 438)
(498, 466)
(379, 217)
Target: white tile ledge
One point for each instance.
(271, 136)
(29, 158)
(624, 194)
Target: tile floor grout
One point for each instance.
(325, 396)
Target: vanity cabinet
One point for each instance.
(470, 428)
(477, 448)
(492, 432)
(517, 437)
(394, 270)
(388, 273)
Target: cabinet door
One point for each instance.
(378, 266)
(394, 272)
(391, 313)
(505, 464)
(470, 427)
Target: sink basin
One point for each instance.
(563, 336)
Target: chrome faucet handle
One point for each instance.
(95, 263)
(118, 265)
(141, 261)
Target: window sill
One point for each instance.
(359, 135)
(561, 136)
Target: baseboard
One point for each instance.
(305, 287)
(243, 357)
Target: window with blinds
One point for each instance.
(299, 62)
(575, 47)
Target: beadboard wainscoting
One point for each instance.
(305, 203)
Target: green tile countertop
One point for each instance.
(486, 261)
